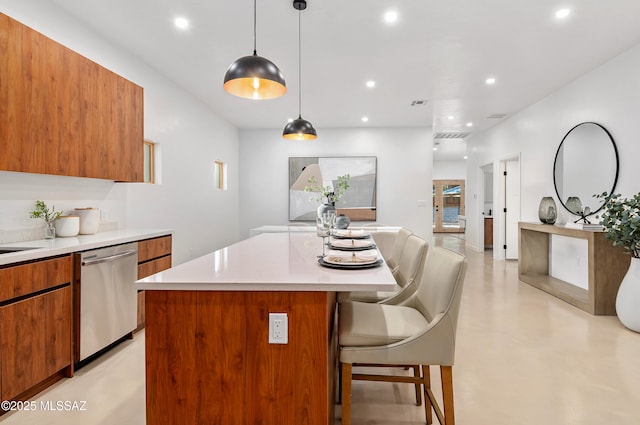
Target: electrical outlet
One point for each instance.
(278, 328)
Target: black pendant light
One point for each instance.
(254, 77)
(299, 129)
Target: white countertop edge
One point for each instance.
(60, 246)
(262, 287)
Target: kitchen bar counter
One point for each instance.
(208, 356)
(268, 262)
(60, 246)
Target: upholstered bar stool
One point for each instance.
(398, 246)
(420, 331)
(409, 267)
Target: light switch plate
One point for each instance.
(278, 328)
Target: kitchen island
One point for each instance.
(208, 356)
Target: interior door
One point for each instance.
(448, 206)
(512, 204)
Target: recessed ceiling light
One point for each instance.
(435, 149)
(465, 157)
(181, 23)
(490, 81)
(469, 124)
(371, 84)
(365, 119)
(391, 17)
(450, 117)
(290, 120)
(562, 13)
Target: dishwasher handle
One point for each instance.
(109, 258)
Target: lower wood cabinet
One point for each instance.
(154, 255)
(488, 232)
(35, 328)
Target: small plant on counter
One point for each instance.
(621, 221)
(45, 213)
(330, 193)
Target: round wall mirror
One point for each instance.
(586, 164)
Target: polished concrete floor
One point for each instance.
(523, 358)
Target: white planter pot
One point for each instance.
(67, 225)
(628, 298)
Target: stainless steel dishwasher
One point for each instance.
(108, 298)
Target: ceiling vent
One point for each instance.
(450, 135)
(422, 102)
(497, 116)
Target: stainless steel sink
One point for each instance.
(12, 249)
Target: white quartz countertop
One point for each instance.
(59, 246)
(268, 262)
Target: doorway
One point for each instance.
(509, 208)
(448, 206)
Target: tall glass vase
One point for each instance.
(49, 231)
(325, 208)
(547, 212)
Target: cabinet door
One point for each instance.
(61, 113)
(35, 340)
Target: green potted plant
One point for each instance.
(48, 215)
(621, 223)
(327, 195)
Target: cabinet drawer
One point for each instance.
(154, 248)
(155, 266)
(16, 281)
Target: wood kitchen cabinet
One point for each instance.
(35, 326)
(61, 113)
(488, 232)
(154, 255)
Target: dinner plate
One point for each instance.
(354, 258)
(351, 249)
(350, 266)
(352, 244)
(350, 234)
(338, 236)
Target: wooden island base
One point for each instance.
(208, 360)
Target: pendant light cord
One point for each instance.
(254, 28)
(299, 66)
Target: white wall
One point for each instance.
(404, 156)
(191, 137)
(449, 170)
(608, 95)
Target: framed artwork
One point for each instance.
(358, 202)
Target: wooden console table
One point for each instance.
(607, 265)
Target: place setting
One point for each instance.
(348, 249)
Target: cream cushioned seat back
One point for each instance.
(398, 246)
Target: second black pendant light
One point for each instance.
(299, 129)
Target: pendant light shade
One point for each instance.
(299, 129)
(254, 77)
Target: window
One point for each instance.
(149, 162)
(219, 175)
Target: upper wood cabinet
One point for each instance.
(61, 113)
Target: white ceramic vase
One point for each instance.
(89, 220)
(628, 298)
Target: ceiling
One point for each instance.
(440, 52)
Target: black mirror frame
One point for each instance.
(555, 161)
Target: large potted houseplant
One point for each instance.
(621, 223)
(327, 195)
